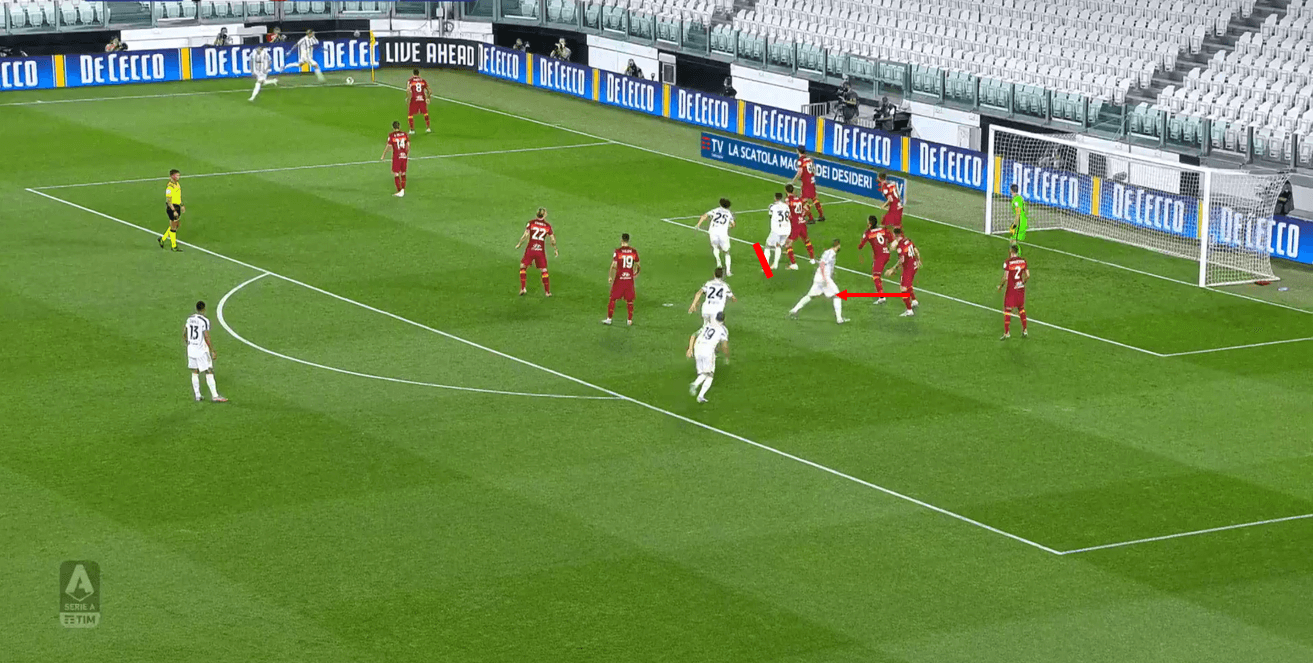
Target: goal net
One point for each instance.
(1220, 218)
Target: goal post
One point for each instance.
(1220, 218)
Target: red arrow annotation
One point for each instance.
(761, 255)
(844, 295)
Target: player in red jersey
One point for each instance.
(893, 202)
(537, 232)
(399, 146)
(417, 90)
(798, 227)
(1015, 275)
(624, 267)
(909, 260)
(807, 172)
(882, 242)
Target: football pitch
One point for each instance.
(418, 465)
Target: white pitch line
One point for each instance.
(1122, 544)
(749, 211)
(841, 198)
(325, 165)
(963, 301)
(222, 321)
(39, 102)
(617, 395)
(1238, 347)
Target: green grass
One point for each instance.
(322, 516)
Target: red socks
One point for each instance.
(523, 277)
(1007, 322)
(907, 301)
(547, 285)
(610, 309)
(1023, 319)
(427, 125)
(790, 251)
(819, 210)
(879, 285)
(397, 180)
(630, 305)
(403, 181)
(411, 121)
(810, 252)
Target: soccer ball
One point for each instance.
(350, 81)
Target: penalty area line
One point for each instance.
(1238, 347)
(223, 302)
(580, 381)
(963, 301)
(1180, 535)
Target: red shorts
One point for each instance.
(536, 258)
(418, 107)
(1015, 299)
(894, 217)
(622, 290)
(809, 190)
(877, 268)
(799, 231)
(399, 164)
(908, 276)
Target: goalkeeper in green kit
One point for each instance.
(1019, 219)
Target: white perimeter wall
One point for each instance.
(945, 125)
(188, 36)
(764, 87)
(471, 30)
(613, 55)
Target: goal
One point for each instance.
(1220, 218)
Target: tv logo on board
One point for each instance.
(16, 75)
(703, 109)
(779, 126)
(79, 594)
(116, 68)
(1149, 209)
(858, 144)
(629, 93)
(1047, 187)
(556, 75)
(945, 164)
(501, 63)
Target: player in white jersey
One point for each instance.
(261, 64)
(780, 227)
(200, 353)
(702, 348)
(716, 291)
(721, 221)
(823, 284)
(305, 48)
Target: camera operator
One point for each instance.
(632, 70)
(847, 102)
(729, 90)
(222, 39)
(561, 51)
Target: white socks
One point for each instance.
(838, 309)
(775, 257)
(256, 93)
(209, 381)
(716, 252)
(801, 303)
(196, 384)
(706, 384)
(727, 269)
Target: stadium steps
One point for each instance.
(1238, 26)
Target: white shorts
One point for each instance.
(199, 361)
(777, 239)
(720, 242)
(261, 78)
(706, 360)
(828, 288)
(709, 312)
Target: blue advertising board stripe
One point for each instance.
(505, 63)
(36, 73)
(871, 147)
(701, 109)
(207, 62)
(784, 164)
(635, 94)
(123, 68)
(945, 163)
(776, 125)
(575, 80)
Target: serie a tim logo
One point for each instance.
(79, 594)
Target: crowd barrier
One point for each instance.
(1178, 215)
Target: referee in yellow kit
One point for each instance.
(174, 208)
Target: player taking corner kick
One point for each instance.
(624, 267)
(536, 233)
(399, 146)
(417, 89)
(1015, 275)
